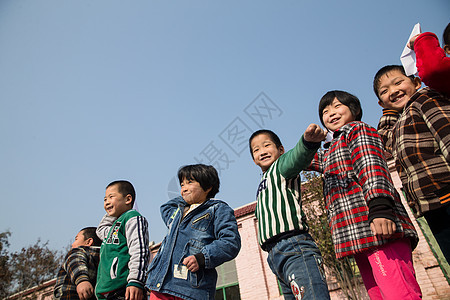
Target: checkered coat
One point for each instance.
(355, 173)
(79, 265)
(419, 140)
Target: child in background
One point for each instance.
(77, 276)
(365, 213)
(293, 256)
(432, 63)
(415, 128)
(125, 253)
(203, 234)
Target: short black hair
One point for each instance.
(349, 100)
(205, 175)
(384, 70)
(90, 233)
(446, 35)
(124, 187)
(273, 137)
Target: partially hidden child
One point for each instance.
(77, 276)
(202, 235)
(432, 62)
(124, 253)
(365, 213)
(293, 256)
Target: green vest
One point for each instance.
(114, 257)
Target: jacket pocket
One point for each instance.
(114, 266)
(195, 278)
(191, 248)
(201, 222)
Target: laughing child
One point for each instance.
(365, 213)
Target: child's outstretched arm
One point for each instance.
(299, 157)
(314, 134)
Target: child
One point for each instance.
(78, 274)
(203, 234)
(125, 250)
(415, 128)
(365, 214)
(282, 230)
(432, 63)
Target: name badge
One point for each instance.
(180, 272)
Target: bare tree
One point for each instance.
(344, 270)
(26, 268)
(5, 275)
(33, 265)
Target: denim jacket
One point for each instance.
(211, 229)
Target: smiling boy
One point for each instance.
(293, 256)
(202, 234)
(415, 129)
(124, 253)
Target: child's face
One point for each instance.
(115, 203)
(80, 240)
(264, 151)
(336, 115)
(395, 90)
(192, 192)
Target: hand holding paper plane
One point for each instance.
(408, 57)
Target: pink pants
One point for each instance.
(160, 296)
(388, 272)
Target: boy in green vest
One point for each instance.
(124, 253)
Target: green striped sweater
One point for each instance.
(279, 205)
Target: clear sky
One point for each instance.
(93, 91)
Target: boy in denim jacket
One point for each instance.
(202, 235)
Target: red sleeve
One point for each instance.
(432, 63)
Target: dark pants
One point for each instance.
(439, 222)
(117, 294)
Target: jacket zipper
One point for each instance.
(202, 217)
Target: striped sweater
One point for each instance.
(279, 206)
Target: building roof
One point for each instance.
(245, 210)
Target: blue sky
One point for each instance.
(94, 91)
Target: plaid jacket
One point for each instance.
(79, 265)
(419, 140)
(355, 173)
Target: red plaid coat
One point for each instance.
(355, 172)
